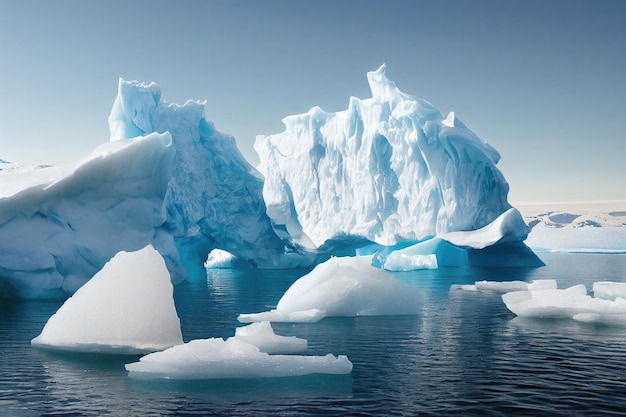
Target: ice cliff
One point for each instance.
(214, 197)
(389, 169)
(60, 225)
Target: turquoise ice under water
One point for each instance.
(465, 354)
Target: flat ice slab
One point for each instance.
(343, 287)
(126, 308)
(240, 356)
(573, 302)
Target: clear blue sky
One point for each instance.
(542, 81)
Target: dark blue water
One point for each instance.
(465, 354)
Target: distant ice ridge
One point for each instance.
(576, 226)
(389, 169)
(608, 305)
(60, 225)
(342, 287)
(214, 197)
(126, 308)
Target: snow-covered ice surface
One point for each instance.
(342, 287)
(592, 226)
(249, 354)
(389, 169)
(60, 225)
(606, 306)
(126, 308)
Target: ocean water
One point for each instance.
(465, 354)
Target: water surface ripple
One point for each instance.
(465, 354)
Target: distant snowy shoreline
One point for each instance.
(576, 226)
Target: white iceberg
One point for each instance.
(217, 358)
(389, 169)
(573, 303)
(342, 287)
(126, 308)
(506, 286)
(214, 197)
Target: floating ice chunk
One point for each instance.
(399, 261)
(262, 336)
(553, 303)
(609, 290)
(542, 284)
(232, 358)
(573, 302)
(343, 287)
(127, 307)
(506, 286)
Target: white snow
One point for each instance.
(217, 358)
(343, 287)
(127, 307)
(388, 169)
(586, 239)
(573, 303)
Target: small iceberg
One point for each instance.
(126, 308)
(342, 287)
(246, 355)
(606, 306)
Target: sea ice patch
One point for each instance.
(126, 308)
(573, 302)
(217, 358)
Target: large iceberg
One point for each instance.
(389, 169)
(127, 307)
(60, 225)
(214, 197)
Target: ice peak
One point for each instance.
(383, 89)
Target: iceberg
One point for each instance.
(60, 225)
(217, 358)
(389, 169)
(342, 287)
(126, 308)
(214, 197)
(506, 286)
(571, 303)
